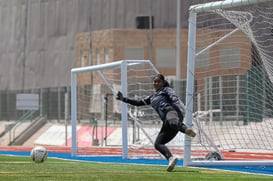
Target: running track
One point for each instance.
(113, 155)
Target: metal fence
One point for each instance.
(54, 103)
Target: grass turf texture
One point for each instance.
(23, 168)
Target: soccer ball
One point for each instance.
(214, 156)
(38, 154)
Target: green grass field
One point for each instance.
(22, 168)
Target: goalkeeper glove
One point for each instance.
(119, 96)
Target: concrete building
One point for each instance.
(38, 39)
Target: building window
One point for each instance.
(226, 94)
(84, 56)
(230, 57)
(165, 57)
(106, 55)
(98, 56)
(134, 54)
(89, 58)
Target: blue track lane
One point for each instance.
(268, 170)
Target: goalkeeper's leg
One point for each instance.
(165, 135)
(174, 122)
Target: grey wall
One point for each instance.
(37, 41)
(37, 37)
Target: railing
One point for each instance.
(26, 116)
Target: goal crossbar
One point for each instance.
(106, 66)
(222, 5)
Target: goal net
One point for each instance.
(229, 82)
(99, 120)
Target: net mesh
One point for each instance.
(99, 113)
(233, 107)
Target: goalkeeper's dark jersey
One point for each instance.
(162, 101)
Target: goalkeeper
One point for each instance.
(171, 111)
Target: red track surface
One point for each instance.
(118, 151)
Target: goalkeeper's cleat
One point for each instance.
(172, 162)
(190, 132)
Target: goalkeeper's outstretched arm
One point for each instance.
(140, 102)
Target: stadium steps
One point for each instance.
(54, 135)
(29, 131)
(11, 133)
(31, 141)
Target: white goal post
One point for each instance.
(230, 68)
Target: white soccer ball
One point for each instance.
(38, 154)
